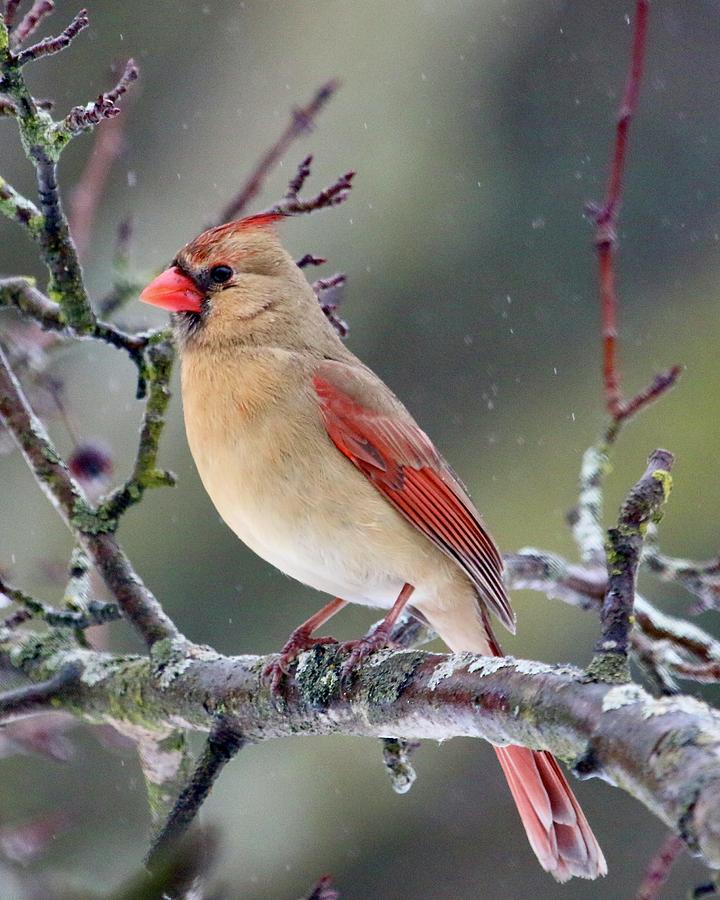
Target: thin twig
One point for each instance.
(223, 743)
(658, 870)
(22, 294)
(11, 7)
(96, 612)
(605, 217)
(701, 579)
(145, 472)
(29, 23)
(82, 118)
(329, 294)
(38, 697)
(324, 890)
(333, 195)
(642, 506)
(300, 123)
(52, 45)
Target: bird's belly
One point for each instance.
(301, 523)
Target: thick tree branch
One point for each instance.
(665, 752)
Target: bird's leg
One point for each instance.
(300, 640)
(378, 639)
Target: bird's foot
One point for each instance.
(360, 650)
(279, 668)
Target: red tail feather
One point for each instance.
(555, 825)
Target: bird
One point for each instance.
(317, 467)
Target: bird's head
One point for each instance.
(233, 283)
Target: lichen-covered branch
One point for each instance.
(87, 524)
(665, 752)
(145, 473)
(642, 507)
(701, 579)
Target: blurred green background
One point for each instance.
(478, 130)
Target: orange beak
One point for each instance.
(173, 290)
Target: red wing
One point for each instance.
(402, 463)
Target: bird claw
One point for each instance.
(279, 668)
(359, 651)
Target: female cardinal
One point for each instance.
(316, 465)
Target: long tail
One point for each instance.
(555, 824)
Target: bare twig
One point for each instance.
(145, 472)
(605, 217)
(20, 209)
(310, 260)
(329, 295)
(642, 506)
(28, 25)
(223, 743)
(701, 579)
(22, 294)
(658, 870)
(11, 7)
(333, 195)
(96, 612)
(324, 890)
(82, 118)
(38, 697)
(52, 45)
(300, 123)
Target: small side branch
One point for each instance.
(302, 120)
(658, 871)
(333, 195)
(605, 217)
(642, 506)
(28, 25)
(223, 743)
(145, 472)
(136, 601)
(701, 579)
(96, 612)
(83, 118)
(51, 45)
(21, 210)
(38, 697)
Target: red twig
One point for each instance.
(301, 122)
(659, 868)
(605, 217)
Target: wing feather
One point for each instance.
(399, 459)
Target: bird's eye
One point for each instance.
(220, 274)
